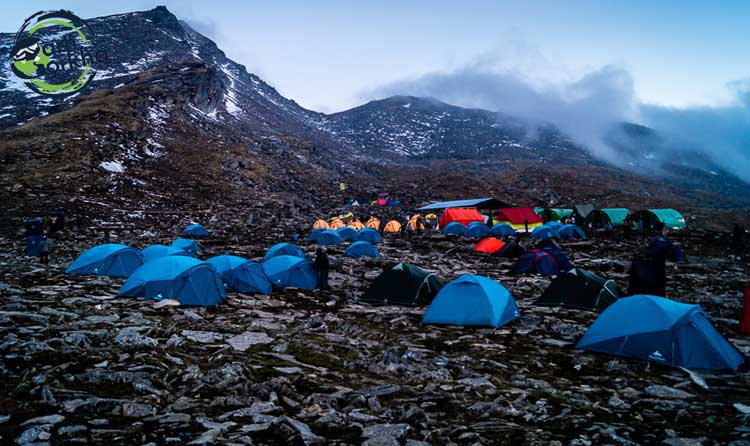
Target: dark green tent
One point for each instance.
(580, 289)
(404, 284)
(554, 214)
(581, 211)
(599, 218)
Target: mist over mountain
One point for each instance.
(589, 109)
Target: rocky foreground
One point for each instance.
(82, 366)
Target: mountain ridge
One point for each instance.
(400, 131)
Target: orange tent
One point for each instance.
(356, 224)
(321, 224)
(336, 224)
(461, 215)
(392, 226)
(373, 223)
(489, 245)
(412, 224)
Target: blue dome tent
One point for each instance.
(663, 331)
(661, 248)
(186, 244)
(472, 300)
(284, 249)
(241, 275)
(196, 229)
(570, 231)
(185, 279)
(347, 233)
(502, 230)
(537, 262)
(454, 228)
(368, 235)
(315, 233)
(477, 230)
(362, 249)
(327, 237)
(563, 263)
(543, 233)
(291, 272)
(554, 224)
(155, 251)
(111, 259)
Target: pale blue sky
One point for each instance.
(331, 55)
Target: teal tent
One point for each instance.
(111, 259)
(195, 229)
(241, 275)
(155, 251)
(187, 245)
(670, 218)
(598, 218)
(662, 331)
(472, 300)
(291, 272)
(185, 279)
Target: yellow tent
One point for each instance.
(373, 223)
(356, 224)
(392, 226)
(335, 224)
(321, 224)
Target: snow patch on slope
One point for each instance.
(230, 95)
(112, 166)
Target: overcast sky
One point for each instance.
(332, 55)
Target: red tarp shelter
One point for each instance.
(461, 215)
(518, 216)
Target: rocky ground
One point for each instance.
(82, 366)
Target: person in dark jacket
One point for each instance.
(647, 276)
(322, 265)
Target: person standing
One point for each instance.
(44, 250)
(322, 265)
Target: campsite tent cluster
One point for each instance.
(640, 326)
(173, 272)
(459, 218)
(669, 332)
(592, 217)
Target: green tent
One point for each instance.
(668, 217)
(581, 211)
(404, 284)
(580, 289)
(554, 214)
(614, 216)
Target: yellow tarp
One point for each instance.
(521, 227)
